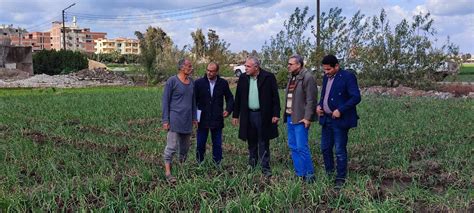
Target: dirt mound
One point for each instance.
(100, 75)
(96, 65)
(405, 91)
(13, 74)
(83, 78)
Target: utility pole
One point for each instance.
(19, 35)
(318, 35)
(64, 27)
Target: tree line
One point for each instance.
(380, 54)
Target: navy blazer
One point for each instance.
(213, 107)
(344, 96)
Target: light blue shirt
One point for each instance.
(253, 94)
(212, 83)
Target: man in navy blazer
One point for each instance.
(337, 114)
(210, 92)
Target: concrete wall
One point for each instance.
(13, 57)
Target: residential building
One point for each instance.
(20, 37)
(37, 40)
(122, 45)
(81, 39)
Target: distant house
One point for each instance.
(121, 45)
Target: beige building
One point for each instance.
(122, 45)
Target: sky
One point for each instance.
(245, 24)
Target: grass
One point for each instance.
(467, 69)
(101, 148)
(466, 74)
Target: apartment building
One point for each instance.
(122, 45)
(80, 39)
(20, 37)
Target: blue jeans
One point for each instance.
(216, 136)
(333, 136)
(300, 153)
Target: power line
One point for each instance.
(223, 3)
(147, 20)
(41, 25)
(45, 25)
(159, 15)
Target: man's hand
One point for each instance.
(319, 111)
(195, 123)
(275, 120)
(235, 121)
(307, 123)
(336, 114)
(166, 126)
(225, 114)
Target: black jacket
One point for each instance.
(213, 107)
(269, 104)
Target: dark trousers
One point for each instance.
(216, 137)
(334, 137)
(259, 149)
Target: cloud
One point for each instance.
(449, 7)
(246, 28)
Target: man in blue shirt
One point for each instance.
(178, 115)
(337, 114)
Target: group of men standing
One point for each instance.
(256, 109)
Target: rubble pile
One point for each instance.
(83, 78)
(101, 75)
(407, 91)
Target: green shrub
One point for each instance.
(282, 79)
(52, 62)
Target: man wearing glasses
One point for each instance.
(301, 100)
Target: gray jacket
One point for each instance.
(305, 98)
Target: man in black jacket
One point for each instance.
(257, 109)
(210, 91)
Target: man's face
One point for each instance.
(293, 66)
(251, 68)
(330, 71)
(212, 71)
(187, 68)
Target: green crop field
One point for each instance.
(467, 69)
(466, 74)
(101, 149)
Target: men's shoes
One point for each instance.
(309, 179)
(267, 174)
(339, 183)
